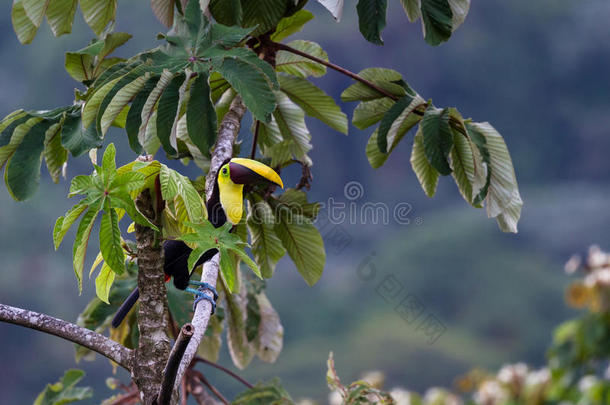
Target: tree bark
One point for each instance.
(154, 343)
(69, 331)
(227, 133)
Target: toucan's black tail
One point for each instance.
(125, 308)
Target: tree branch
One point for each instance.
(223, 369)
(257, 125)
(227, 133)
(201, 378)
(68, 331)
(171, 368)
(154, 343)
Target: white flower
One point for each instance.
(490, 392)
(538, 377)
(401, 396)
(573, 264)
(586, 383)
(513, 373)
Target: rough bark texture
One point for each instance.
(154, 343)
(69, 331)
(227, 133)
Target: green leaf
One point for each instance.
(201, 116)
(371, 19)
(149, 106)
(437, 21)
(412, 9)
(112, 41)
(166, 112)
(22, 174)
(263, 14)
(265, 393)
(103, 282)
(23, 26)
(174, 184)
(109, 160)
(15, 137)
(80, 244)
(425, 172)
(64, 223)
(98, 13)
(252, 84)
(314, 101)
(119, 101)
(228, 270)
(35, 10)
(462, 160)
(291, 25)
(134, 116)
(303, 243)
(75, 139)
(368, 113)
(407, 103)
(300, 66)
(123, 200)
(65, 391)
(503, 199)
(110, 241)
(54, 153)
(60, 14)
(437, 138)
(266, 246)
(79, 66)
(386, 79)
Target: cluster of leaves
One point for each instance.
(264, 393)
(65, 390)
(473, 153)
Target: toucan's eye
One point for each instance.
(224, 170)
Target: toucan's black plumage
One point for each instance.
(176, 253)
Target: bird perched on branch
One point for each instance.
(225, 204)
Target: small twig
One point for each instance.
(199, 359)
(257, 125)
(185, 395)
(68, 331)
(199, 376)
(173, 362)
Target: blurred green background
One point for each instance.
(538, 71)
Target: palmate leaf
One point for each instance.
(110, 240)
(174, 184)
(371, 19)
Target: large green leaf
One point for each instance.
(253, 86)
(65, 390)
(201, 116)
(266, 393)
(425, 172)
(55, 155)
(81, 242)
(503, 199)
(98, 13)
(263, 14)
(266, 246)
(23, 26)
(387, 79)
(64, 223)
(270, 334)
(314, 101)
(368, 113)
(35, 10)
(300, 66)
(437, 138)
(302, 241)
(110, 241)
(103, 282)
(22, 174)
(166, 112)
(134, 116)
(60, 14)
(174, 184)
(371, 19)
(118, 102)
(292, 24)
(78, 140)
(437, 20)
(408, 104)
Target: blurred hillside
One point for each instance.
(538, 71)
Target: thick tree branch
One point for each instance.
(227, 133)
(69, 331)
(154, 343)
(171, 368)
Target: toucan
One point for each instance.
(225, 204)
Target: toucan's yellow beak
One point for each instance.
(248, 171)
